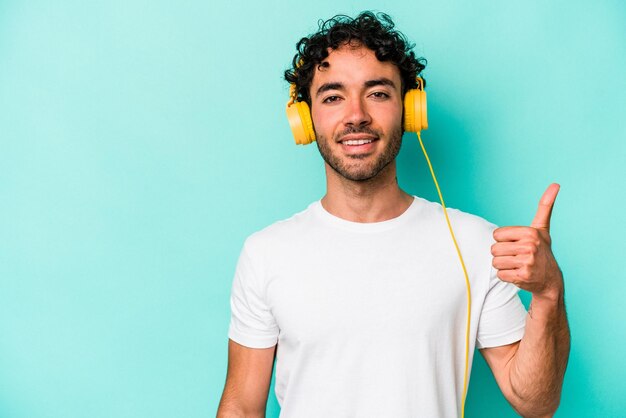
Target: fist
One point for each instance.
(523, 254)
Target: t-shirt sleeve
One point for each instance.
(503, 316)
(252, 323)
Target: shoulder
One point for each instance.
(471, 230)
(465, 220)
(471, 224)
(282, 232)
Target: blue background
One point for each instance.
(141, 142)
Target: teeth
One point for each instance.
(357, 142)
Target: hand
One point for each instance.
(523, 255)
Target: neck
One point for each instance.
(374, 200)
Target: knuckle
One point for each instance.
(524, 272)
(531, 233)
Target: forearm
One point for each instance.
(536, 370)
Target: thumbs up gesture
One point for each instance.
(523, 255)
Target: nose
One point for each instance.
(356, 113)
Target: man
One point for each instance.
(361, 297)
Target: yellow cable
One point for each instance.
(467, 283)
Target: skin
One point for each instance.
(356, 97)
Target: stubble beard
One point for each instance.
(360, 172)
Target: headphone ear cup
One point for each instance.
(300, 121)
(415, 111)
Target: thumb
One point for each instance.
(544, 211)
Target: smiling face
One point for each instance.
(356, 107)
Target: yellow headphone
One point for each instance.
(299, 114)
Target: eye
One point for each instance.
(379, 95)
(330, 99)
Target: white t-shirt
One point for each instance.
(370, 318)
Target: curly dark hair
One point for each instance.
(375, 31)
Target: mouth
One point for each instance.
(357, 140)
(358, 145)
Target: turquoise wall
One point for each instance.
(142, 141)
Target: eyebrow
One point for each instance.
(380, 82)
(329, 86)
(383, 81)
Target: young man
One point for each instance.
(361, 296)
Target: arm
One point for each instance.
(530, 372)
(247, 381)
